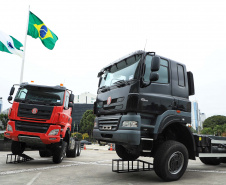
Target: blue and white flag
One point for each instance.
(10, 45)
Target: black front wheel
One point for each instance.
(124, 153)
(171, 160)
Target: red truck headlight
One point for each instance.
(9, 128)
(54, 132)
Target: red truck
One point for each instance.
(40, 119)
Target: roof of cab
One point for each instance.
(57, 87)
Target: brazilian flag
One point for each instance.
(37, 29)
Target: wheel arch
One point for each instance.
(180, 132)
(67, 135)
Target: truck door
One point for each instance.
(156, 98)
(180, 87)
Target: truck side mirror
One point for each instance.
(100, 74)
(12, 90)
(71, 105)
(155, 63)
(71, 98)
(154, 77)
(9, 99)
(191, 87)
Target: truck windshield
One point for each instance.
(40, 95)
(120, 72)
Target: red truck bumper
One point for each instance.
(45, 138)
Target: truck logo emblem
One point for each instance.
(143, 99)
(109, 100)
(34, 111)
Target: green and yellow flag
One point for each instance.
(37, 29)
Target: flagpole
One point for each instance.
(25, 41)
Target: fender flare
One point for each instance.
(178, 122)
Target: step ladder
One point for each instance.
(13, 159)
(122, 166)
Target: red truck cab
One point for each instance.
(40, 118)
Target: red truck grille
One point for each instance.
(43, 112)
(31, 127)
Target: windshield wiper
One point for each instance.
(120, 83)
(104, 88)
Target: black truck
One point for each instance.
(143, 106)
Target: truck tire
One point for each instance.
(59, 152)
(45, 153)
(79, 148)
(17, 148)
(72, 152)
(171, 160)
(123, 153)
(210, 160)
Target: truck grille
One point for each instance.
(110, 124)
(31, 127)
(44, 112)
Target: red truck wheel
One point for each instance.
(72, 150)
(79, 148)
(59, 152)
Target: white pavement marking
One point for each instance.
(206, 171)
(32, 180)
(52, 167)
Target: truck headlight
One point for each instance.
(129, 124)
(95, 124)
(9, 127)
(54, 132)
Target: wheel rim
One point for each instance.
(63, 153)
(79, 149)
(176, 162)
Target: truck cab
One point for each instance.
(40, 118)
(142, 102)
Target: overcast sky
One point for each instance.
(94, 33)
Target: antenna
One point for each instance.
(145, 45)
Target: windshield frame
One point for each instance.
(132, 77)
(40, 95)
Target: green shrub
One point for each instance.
(77, 134)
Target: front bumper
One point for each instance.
(24, 136)
(122, 135)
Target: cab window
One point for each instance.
(163, 70)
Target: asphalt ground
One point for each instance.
(94, 166)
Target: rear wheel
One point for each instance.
(17, 148)
(59, 152)
(79, 148)
(125, 154)
(210, 160)
(72, 148)
(171, 160)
